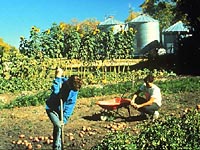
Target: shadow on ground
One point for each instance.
(97, 117)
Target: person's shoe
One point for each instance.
(155, 115)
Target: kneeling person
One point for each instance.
(152, 101)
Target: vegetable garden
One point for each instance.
(27, 74)
(177, 127)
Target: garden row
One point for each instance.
(170, 132)
(168, 85)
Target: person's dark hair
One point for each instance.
(149, 78)
(75, 82)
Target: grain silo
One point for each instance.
(171, 35)
(111, 23)
(148, 33)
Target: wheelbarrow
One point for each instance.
(114, 104)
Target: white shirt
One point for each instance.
(154, 92)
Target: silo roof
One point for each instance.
(177, 27)
(110, 21)
(143, 18)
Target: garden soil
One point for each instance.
(29, 127)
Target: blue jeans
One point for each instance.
(54, 117)
(146, 109)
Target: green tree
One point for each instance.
(88, 25)
(189, 47)
(163, 11)
(190, 9)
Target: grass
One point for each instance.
(171, 86)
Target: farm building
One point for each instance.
(149, 40)
(148, 33)
(111, 23)
(170, 36)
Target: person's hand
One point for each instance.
(136, 106)
(133, 104)
(61, 123)
(59, 72)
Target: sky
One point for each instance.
(18, 16)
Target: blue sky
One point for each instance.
(18, 16)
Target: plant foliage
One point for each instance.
(171, 133)
(120, 140)
(168, 133)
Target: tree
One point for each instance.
(4, 45)
(189, 47)
(163, 11)
(132, 15)
(5, 54)
(190, 9)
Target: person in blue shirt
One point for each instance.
(67, 90)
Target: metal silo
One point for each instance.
(148, 33)
(111, 23)
(171, 35)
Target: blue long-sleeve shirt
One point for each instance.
(69, 104)
(69, 99)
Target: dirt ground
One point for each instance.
(25, 126)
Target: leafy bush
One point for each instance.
(40, 97)
(167, 87)
(18, 84)
(120, 140)
(186, 84)
(171, 133)
(29, 100)
(105, 90)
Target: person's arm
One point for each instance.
(155, 95)
(150, 102)
(56, 86)
(135, 96)
(69, 105)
